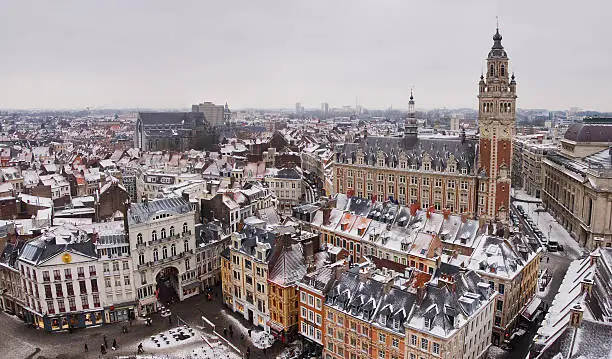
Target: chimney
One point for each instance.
(576, 315)
(594, 257)
(586, 286)
(446, 213)
(414, 208)
(326, 215)
(430, 210)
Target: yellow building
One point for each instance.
(288, 268)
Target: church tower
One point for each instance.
(496, 113)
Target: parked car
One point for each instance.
(560, 247)
(552, 246)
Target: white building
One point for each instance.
(162, 244)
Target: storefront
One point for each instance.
(147, 306)
(123, 312)
(67, 321)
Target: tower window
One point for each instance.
(491, 70)
(503, 70)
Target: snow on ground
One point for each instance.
(496, 353)
(194, 347)
(261, 339)
(521, 195)
(169, 339)
(547, 224)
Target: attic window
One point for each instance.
(396, 324)
(429, 323)
(383, 319)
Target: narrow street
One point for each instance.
(555, 263)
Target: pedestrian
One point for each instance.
(114, 344)
(102, 349)
(249, 333)
(225, 332)
(105, 342)
(547, 259)
(86, 349)
(140, 349)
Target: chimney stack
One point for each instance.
(326, 215)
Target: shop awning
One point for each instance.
(277, 327)
(191, 285)
(530, 308)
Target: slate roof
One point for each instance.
(289, 267)
(142, 212)
(171, 118)
(589, 132)
(44, 247)
(439, 150)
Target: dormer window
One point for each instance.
(381, 162)
(429, 323)
(427, 166)
(383, 319)
(396, 324)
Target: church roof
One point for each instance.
(497, 51)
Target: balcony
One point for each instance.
(165, 260)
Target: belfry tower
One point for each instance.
(496, 113)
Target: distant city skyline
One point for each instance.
(273, 54)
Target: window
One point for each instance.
(318, 319)
(381, 354)
(48, 293)
(500, 305)
(115, 266)
(185, 228)
(84, 302)
(163, 233)
(382, 338)
(67, 273)
(502, 289)
(126, 280)
(139, 238)
(395, 343)
(318, 303)
(58, 290)
(46, 276)
(92, 271)
(94, 285)
(436, 348)
(186, 245)
(154, 235)
(304, 313)
(330, 316)
(424, 343)
(164, 252)
(141, 259)
(57, 275)
(303, 297)
(72, 304)
(61, 305)
(69, 289)
(173, 249)
(155, 255)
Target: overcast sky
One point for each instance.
(162, 54)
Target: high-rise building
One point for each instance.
(216, 115)
(325, 109)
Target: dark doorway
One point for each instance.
(167, 285)
(250, 316)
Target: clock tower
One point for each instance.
(496, 112)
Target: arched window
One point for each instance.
(163, 233)
(141, 258)
(139, 238)
(185, 227)
(503, 70)
(154, 235)
(155, 255)
(491, 70)
(165, 252)
(173, 249)
(171, 231)
(186, 245)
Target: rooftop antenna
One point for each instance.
(497, 22)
